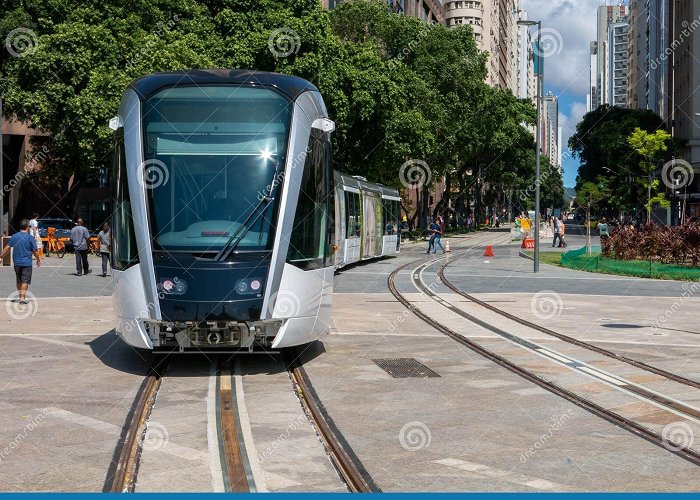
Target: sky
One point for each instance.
(570, 26)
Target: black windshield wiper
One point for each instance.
(243, 229)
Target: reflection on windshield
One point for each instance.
(211, 153)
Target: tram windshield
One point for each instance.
(210, 155)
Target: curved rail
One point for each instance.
(348, 465)
(124, 477)
(585, 345)
(623, 422)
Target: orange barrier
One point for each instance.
(489, 251)
(528, 243)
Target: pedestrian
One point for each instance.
(105, 238)
(79, 235)
(562, 237)
(603, 231)
(437, 234)
(34, 230)
(557, 231)
(23, 247)
(431, 241)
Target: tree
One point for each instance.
(649, 146)
(589, 196)
(601, 144)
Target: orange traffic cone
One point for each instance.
(489, 251)
(447, 246)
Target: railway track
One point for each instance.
(605, 352)
(348, 465)
(123, 478)
(630, 425)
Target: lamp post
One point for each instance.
(2, 169)
(538, 97)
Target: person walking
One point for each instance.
(431, 229)
(557, 231)
(105, 238)
(79, 235)
(603, 231)
(23, 246)
(34, 231)
(437, 234)
(562, 237)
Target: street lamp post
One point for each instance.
(538, 97)
(2, 170)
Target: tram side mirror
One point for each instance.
(114, 123)
(324, 124)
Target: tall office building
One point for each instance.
(649, 65)
(617, 64)
(551, 128)
(496, 31)
(600, 59)
(527, 83)
(685, 100)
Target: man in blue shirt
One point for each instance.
(23, 246)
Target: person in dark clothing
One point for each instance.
(436, 233)
(79, 235)
(105, 237)
(23, 247)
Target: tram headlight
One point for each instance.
(172, 286)
(249, 286)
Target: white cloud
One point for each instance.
(575, 21)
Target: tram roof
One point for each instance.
(292, 86)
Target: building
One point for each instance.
(649, 65)
(684, 16)
(496, 31)
(600, 55)
(428, 10)
(551, 128)
(617, 64)
(527, 83)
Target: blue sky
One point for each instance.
(569, 25)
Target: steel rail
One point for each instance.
(594, 408)
(233, 464)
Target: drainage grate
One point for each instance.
(405, 368)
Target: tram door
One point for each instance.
(368, 223)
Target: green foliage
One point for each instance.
(397, 87)
(602, 144)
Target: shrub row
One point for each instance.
(668, 244)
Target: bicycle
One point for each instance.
(53, 244)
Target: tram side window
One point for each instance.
(391, 216)
(309, 244)
(124, 251)
(352, 214)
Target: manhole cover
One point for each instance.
(621, 325)
(405, 368)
